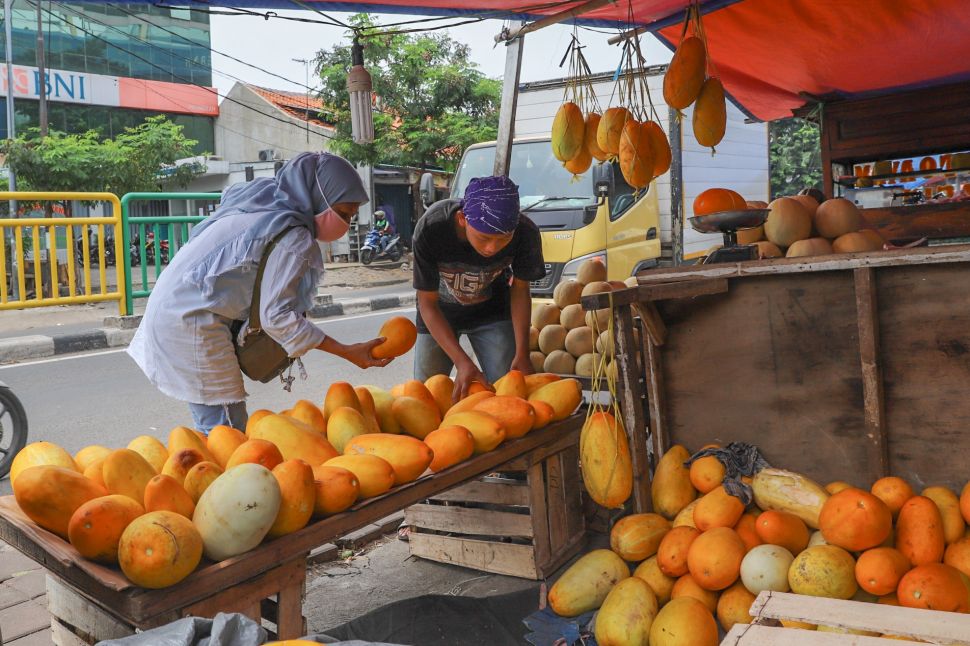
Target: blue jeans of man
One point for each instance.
(494, 345)
(206, 416)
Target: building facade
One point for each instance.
(111, 65)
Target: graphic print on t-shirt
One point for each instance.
(468, 284)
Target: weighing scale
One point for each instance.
(728, 223)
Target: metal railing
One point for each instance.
(173, 229)
(25, 268)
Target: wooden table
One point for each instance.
(143, 608)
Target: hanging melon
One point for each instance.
(568, 130)
(660, 147)
(580, 163)
(592, 129)
(610, 128)
(685, 74)
(636, 155)
(710, 114)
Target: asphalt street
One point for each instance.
(103, 397)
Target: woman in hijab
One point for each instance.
(184, 344)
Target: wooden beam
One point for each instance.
(836, 262)
(659, 433)
(654, 292)
(872, 383)
(755, 635)
(656, 329)
(631, 406)
(556, 18)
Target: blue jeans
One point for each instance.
(205, 416)
(494, 345)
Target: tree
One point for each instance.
(794, 156)
(431, 99)
(139, 159)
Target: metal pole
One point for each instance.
(41, 72)
(11, 129)
(306, 68)
(510, 99)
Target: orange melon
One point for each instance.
(710, 114)
(408, 456)
(49, 495)
(96, 527)
(224, 440)
(590, 133)
(262, 452)
(449, 445)
(685, 74)
(374, 475)
(609, 131)
(714, 558)
(159, 549)
(788, 222)
(165, 493)
(399, 335)
(837, 217)
(336, 489)
(297, 497)
(636, 155)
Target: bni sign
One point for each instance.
(62, 86)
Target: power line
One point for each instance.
(208, 46)
(184, 80)
(334, 21)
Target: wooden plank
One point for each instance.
(872, 386)
(673, 290)
(566, 552)
(82, 615)
(464, 520)
(656, 329)
(775, 364)
(927, 625)
(835, 262)
(631, 406)
(659, 437)
(947, 220)
(543, 452)
(555, 504)
(573, 483)
(245, 597)
(492, 492)
(290, 622)
(924, 335)
(500, 558)
(140, 604)
(754, 635)
(539, 514)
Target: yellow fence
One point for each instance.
(25, 281)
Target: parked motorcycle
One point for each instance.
(13, 428)
(109, 250)
(371, 249)
(135, 249)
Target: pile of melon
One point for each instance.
(564, 338)
(702, 557)
(802, 227)
(157, 509)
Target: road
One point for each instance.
(103, 398)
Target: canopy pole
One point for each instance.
(626, 35)
(523, 28)
(510, 99)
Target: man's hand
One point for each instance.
(523, 364)
(467, 372)
(359, 354)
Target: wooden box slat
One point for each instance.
(753, 635)
(484, 522)
(487, 556)
(489, 490)
(921, 625)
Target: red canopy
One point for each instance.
(773, 55)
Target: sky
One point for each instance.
(273, 44)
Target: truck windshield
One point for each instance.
(544, 185)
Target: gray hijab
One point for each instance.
(304, 186)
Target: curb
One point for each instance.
(119, 330)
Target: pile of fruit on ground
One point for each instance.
(567, 340)
(703, 557)
(156, 509)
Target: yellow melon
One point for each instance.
(710, 114)
(609, 131)
(590, 132)
(788, 222)
(605, 457)
(636, 155)
(38, 454)
(836, 217)
(568, 132)
(809, 247)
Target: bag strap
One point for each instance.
(254, 324)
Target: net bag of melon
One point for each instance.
(692, 79)
(574, 135)
(604, 452)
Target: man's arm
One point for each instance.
(440, 329)
(521, 311)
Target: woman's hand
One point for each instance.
(358, 354)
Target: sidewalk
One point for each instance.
(26, 334)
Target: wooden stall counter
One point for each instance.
(844, 367)
(275, 569)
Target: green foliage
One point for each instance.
(794, 156)
(432, 101)
(140, 159)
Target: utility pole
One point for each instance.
(306, 67)
(11, 128)
(41, 72)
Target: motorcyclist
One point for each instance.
(383, 227)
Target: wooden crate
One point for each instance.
(917, 626)
(274, 597)
(526, 522)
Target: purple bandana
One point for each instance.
(491, 205)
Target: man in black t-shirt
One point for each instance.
(473, 261)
